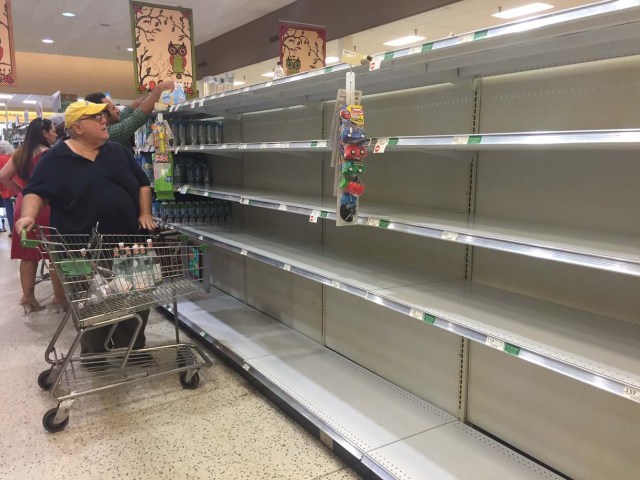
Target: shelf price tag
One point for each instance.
(460, 140)
(381, 145)
(451, 236)
(373, 222)
(203, 334)
(268, 84)
(335, 284)
(414, 50)
(177, 149)
(201, 104)
(244, 201)
(415, 313)
(263, 145)
(242, 146)
(201, 147)
(512, 349)
(193, 104)
(494, 343)
(287, 267)
(632, 394)
(376, 62)
(243, 251)
(316, 214)
(466, 38)
(206, 194)
(282, 207)
(184, 189)
(246, 367)
(201, 237)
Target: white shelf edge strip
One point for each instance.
(421, 313)
(612, 139)
(538, 249)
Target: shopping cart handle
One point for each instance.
(28, 242)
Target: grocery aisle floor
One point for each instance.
(222, 430)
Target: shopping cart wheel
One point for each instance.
(191, 384)
(43, 380)
(48, 421)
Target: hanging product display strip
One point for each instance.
(162, 160)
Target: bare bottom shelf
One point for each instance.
(393, 433)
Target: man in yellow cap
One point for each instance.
(88, 179)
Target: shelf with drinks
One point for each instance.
(591, 32)
(566, 340)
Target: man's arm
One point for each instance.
(121, 132)
(31, 206)
(145, 220)
(148, 102)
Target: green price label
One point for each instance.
(480, 34)
(393, 141)
(429, 318)
(511, 349)
(324, 214)
(384, 223)
(427, 47)
(328, 70)
(388, 56)
(475, 139)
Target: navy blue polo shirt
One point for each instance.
(82, 192)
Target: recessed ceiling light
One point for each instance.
(399, 42)
(3, 104)
(237, 83)
(330, 60)
(68, 14)
(268, 74)
(523, 10)
(6, 96)
(30, 102)
(47, 40)
(129, 49)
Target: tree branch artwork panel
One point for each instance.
(7, 52)
(302, 47)
(163, 46)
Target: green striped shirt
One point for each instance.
(130, 121)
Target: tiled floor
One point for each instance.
(153, 430)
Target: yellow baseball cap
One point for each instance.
(77, 110)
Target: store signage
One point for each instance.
(7, 53)
(164, 48)
(302, 47)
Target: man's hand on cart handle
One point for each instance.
(147, 222)
(24, 223)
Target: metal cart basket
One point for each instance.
(109, 279)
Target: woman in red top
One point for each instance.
(6, 150)
(15, 174)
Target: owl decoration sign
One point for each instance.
(302, 47)
(7, 53)
(163, 46)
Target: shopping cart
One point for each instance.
(108, 279)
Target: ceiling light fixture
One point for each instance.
(68, 14)
(330, 60)
(6, 96)
(268, 74)
(129, 49)
(523, 10)
(399, 42)
(30, 102)
(237, 83)
(47, 40)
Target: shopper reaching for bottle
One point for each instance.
(123, 124)
(39, 136)
(87, 180)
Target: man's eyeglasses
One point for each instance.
(98, 117)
